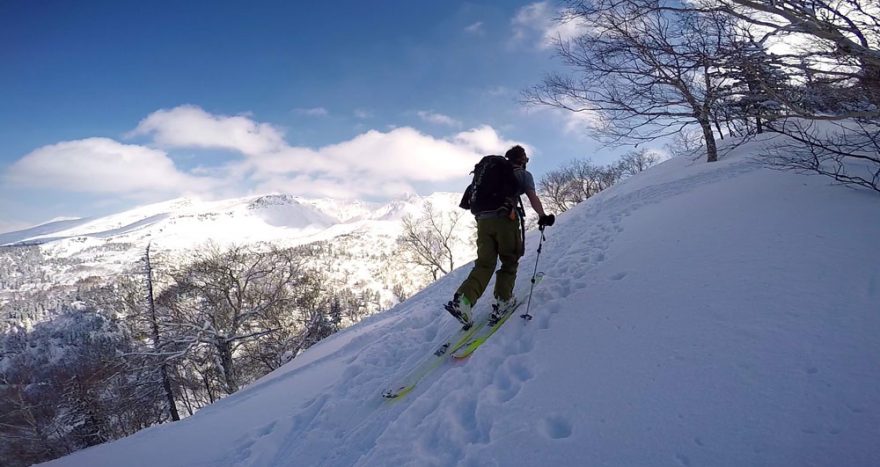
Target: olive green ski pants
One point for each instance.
(496, 238)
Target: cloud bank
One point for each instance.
(102, 165)
(190, 126)
(371, 164)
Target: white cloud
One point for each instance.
(375, 163)
(476, 28)
(190, 126)
(485, 140)
(313, 112)
(438, 118)
(546, 24)
(399, 155)
(101, 165)
(579, 123)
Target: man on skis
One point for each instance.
(499, 231)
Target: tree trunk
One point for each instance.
(711, 148)
(163, 370)
(225, 350)
(208, 388)
(169, 395)
(718, 126)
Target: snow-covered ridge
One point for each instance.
(366, 232)
(293, 214)
(696, 314)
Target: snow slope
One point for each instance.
(696, 314)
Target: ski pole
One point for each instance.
(527, 316)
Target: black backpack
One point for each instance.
(493, 187)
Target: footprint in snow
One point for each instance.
(544, 321)
(683, 459)
(266, 429)
(618, 276)
(509, 378)
(520, 370)
(555, 427)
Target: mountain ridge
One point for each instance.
(102, 247)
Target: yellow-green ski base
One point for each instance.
(469, 348)
(435, 361)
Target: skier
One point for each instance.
(499, 236)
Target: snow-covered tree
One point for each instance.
(643, 70)
(838, 41)
(65, 385)
(224, 299)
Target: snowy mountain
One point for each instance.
(696, 314)
(77, 249)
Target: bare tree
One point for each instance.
(577, 181)
(636, 161)
(848, 152)
(688, 142)
(646, 71)
(755, 85)
(829, 71)
(555, 189)
(429, 239)
(223, 298)
(842, 43)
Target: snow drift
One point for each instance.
(696, 314)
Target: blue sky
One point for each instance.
(112, 104)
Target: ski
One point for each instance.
(485, 332)
(460, 345)
(409, 382)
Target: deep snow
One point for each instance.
(696, 314)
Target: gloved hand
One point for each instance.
(546, 220)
